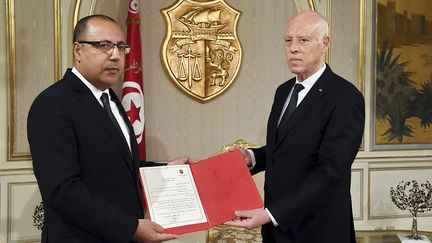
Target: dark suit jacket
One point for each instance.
(86, 173)
(308, 165)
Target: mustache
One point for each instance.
(113, 67)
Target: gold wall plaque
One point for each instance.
(201, 52)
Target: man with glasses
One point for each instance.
(84, 150)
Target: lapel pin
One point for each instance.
(320, 90)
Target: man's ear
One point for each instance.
(76, 49)
(326, 43)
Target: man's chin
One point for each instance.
(110, 81)
(296, 69)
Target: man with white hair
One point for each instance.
(313, 135)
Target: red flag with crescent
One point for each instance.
(133, 89)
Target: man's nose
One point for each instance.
(294, 47)
(115, 53)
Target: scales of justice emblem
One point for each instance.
(201, 51)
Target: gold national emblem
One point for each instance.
(201, 51)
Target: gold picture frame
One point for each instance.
(402, 82)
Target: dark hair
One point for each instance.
(81, 26)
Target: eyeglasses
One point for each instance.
(108, 46)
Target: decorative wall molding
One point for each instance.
(19, 196)
(380, 181)
(23, 52)
(357, 180)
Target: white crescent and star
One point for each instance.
(133, 6)
(133, 103)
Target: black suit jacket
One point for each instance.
(87, 175)
(308, 164)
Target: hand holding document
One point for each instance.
(180, 161)
(250, 219)
(197, 196)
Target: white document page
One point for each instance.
(172, 196)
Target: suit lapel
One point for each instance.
(312, 98)
(133, 143)
(132, 138)
(88, 100)
(277, 110)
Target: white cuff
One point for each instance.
(253, 160)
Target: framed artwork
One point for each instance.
(402, 115)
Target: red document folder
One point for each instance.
(224, 185)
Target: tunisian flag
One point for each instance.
(133, 90)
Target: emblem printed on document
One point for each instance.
(201, 52)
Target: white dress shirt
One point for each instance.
(307, 84)
(97, 94)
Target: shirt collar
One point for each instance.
(95, 91)
(309, 82)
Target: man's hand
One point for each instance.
(244, 152)
(250, 219)
(150, 232)
(180, 161)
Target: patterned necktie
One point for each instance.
(291, 105)
(108, 110)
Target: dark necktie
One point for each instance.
(107, 108)
(291, 105)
